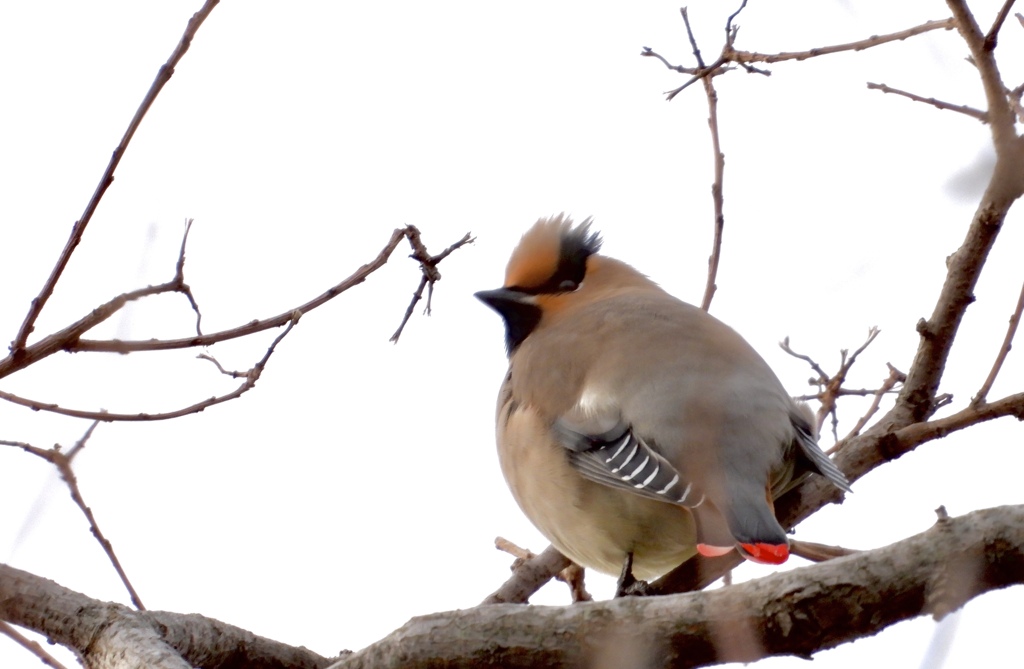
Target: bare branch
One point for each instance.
(912, 436)
(162, 77)
(647, 51)
(730, 32)
(428, 265)
(736, 56)
(417, 295)
(30, 645)
(895, 376)
(251, 377)
(179, 278)
(993, 33)
(693, 40)
(813, 552)
(573, 575)
(62, 461)
(938, 104)
(822, 376)
(717, 195)
(69, 339)
(1000, 113)
(155, 639)
(66, 339)
(842, 599)
(1004, 350)
(528, 577)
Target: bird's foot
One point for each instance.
(629, 585)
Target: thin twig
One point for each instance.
(431, 275)
(528, 575)
(736, 56)
(69, 339)
(648, 51)
(993, 33)
(179, 276)
(717, 195)
(895, 376)
(30, 645)
(163, 76)
(693, 40)
(832, 385)
(813, 552)
(1004, 350)
(730, 32)
(938, 104)
(417, 295)
(62, 461)
(822, 376)
(572, 576)
(251, 377)
(842, 392)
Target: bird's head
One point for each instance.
(551, 260)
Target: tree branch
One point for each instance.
(796, 612)
(1004, 350)
(163, 76)
(938, 104)
(251, 377)
(736, 56)
(30, 645)
(111, 635)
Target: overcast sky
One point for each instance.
(299, 135)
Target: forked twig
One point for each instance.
(70, 338)
(251, 377)
(992, 37)
(431, 275)
(62, 461)
(832, 385)
(529, 566)
(163, 76)
(895, 376)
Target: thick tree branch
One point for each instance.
(112, 635)
(797, 612)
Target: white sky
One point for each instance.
(357, 485)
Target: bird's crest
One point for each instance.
(552, 256)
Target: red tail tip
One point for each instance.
(766, 553)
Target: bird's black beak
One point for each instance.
(502, 299)
(518, 310)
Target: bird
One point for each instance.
(635, 430)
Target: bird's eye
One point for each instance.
(568, 286)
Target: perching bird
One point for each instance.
(635, 429)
